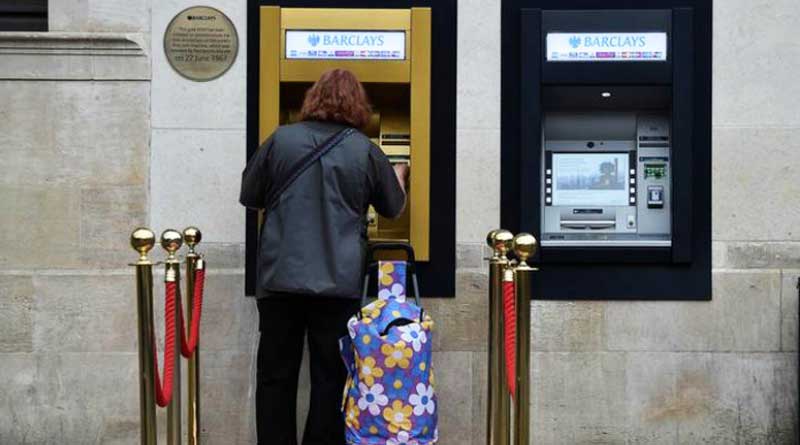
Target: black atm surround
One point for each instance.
(682, 272)
(436, 277)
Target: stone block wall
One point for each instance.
(98, 142)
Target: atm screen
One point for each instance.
(590, 179)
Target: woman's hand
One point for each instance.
(402, 171)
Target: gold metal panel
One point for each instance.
(420, 132)
(269, 71)
(351, 19)
(295, 70)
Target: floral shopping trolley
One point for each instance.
(389, 396)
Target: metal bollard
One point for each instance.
(142, 240)
(524, 247)
(171, 241)
(192, 236)
(499, 404)
(506, 426)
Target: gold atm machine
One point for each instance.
(389, 50)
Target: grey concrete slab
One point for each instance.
(568, 325)
(480, 382)
(227, 396)
(478, 65)
(108, 214)
(756, 255)
(644, 397)
(41, 228)
(744, 315)
(99, 15)
(461, 324)
(97, 133)
(454, 389)
(478, 184)
(753, 192)
(230, 320)
(736, 398)
(789, 311)
(16, 313)
(195, 180)
(755, 64)
(80, 313)
(470, 256)
(67, 398)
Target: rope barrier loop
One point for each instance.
(164, 393)
(510, 330)
(188, 346)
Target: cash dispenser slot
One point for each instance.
(581, 224)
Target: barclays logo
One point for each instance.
(575, 41)
(313, 39)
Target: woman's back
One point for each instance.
(313, 240)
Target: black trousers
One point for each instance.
(283, 323)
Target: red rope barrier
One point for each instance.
(188, 347)
(164, 393)
(510, 328)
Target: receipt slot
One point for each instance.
(395, 52)
(606, 146)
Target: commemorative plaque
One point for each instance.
(201, 43)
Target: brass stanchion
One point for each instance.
(171, 241)
(499, 404)
(143, 240)
(192, 236)
(524, 247)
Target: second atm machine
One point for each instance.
(611, 167)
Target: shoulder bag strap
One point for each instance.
(304, 163)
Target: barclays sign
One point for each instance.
(363, 45)
(607, 47)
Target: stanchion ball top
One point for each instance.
(143, 240)
(502, 241)
(525, 246)
(490, 237)
(171, 240)
(192, 236)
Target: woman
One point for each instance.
(311, 253)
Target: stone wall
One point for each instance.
(98, 142)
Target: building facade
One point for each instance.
(98, 135)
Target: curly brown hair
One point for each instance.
(337, 96)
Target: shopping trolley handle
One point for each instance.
(381, 246)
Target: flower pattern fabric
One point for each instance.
(389, 398)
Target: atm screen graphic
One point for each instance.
(597, 179)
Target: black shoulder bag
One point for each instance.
(303, 164)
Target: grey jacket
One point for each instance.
(314, 240)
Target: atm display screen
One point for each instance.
(593, 179)
(343, 45)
